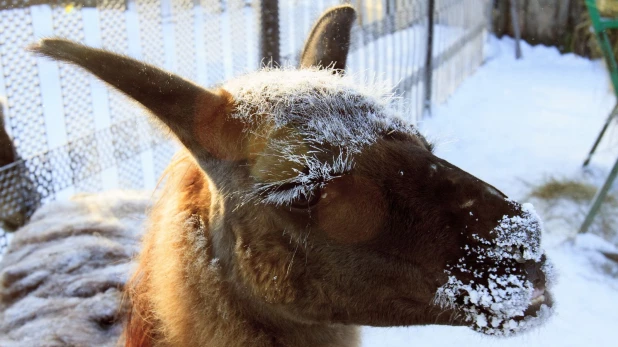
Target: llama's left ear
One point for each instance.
(329, 40)
(197, 116)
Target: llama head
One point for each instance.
(327, 207)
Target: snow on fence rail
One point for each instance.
(72, 134)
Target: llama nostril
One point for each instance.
(521, 256)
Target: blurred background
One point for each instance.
(516, 92)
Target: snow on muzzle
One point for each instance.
(501, 284)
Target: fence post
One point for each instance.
(429, 57)
(269, 31)
(490, 18)
(516, 29)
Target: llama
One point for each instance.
(8, 156)
(303, 207)
(11, 216)
(7, 152)
(61, 277)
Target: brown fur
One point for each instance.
(186, 302)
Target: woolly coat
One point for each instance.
(61, 278)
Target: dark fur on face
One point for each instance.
(304, 206)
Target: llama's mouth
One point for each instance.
(500, 308)
(538, 296)
(539, 310)
(501, 283)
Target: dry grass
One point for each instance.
(584, 34)
(565, 202)
(569, 189)
(580, 38)
(608, 7)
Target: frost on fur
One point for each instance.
(345, 118)
(519, 236)
(486, 285)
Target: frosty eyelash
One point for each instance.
(313, 112)
(305, 182)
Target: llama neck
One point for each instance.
(250, 321)
(254, 324)
(186, 290)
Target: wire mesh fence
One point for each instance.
(71, 134)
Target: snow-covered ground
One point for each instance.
(514, 122)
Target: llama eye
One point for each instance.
(305, 201)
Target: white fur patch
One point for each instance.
(334, 117)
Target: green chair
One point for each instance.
(601, 25)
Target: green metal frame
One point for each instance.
(601, 25)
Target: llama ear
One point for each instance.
(197, 116)
(329, 40)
